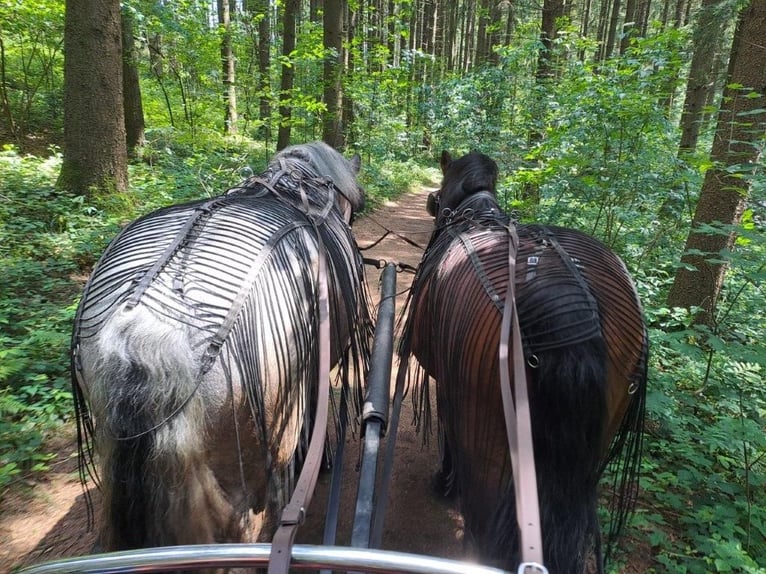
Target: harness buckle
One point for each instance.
(531, 567)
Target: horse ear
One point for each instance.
(356, 163)
(445, 161)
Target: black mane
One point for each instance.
(465, 177)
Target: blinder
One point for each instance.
(432, 203)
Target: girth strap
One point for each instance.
(518, 424)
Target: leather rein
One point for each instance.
(518, 424)
(518, 420)
(294, 513)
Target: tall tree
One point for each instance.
(228, 68)
(260, 9)
(630, 27)
(95, 152)
(134, 110)
(552, 11)
(741, 128)
(709, 28)
(611, 32)
(290, 10)
(332, 35)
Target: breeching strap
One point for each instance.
(294, 513)
(518, 424)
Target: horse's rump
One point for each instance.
(195, 348)
(584, 345)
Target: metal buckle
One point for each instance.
(525, 567)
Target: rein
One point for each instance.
(518, 424)
(294, 513)
(518, 420)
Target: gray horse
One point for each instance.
(195, 352)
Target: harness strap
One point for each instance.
(244, 290)
(203, 210)
(518, 424)
(294, 513)
(470, 250)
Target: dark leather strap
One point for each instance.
(294, 513)
(518, 423)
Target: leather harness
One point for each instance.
(294, 513)
(518, 420)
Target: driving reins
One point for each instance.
(518, 424)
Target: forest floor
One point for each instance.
(46, 518)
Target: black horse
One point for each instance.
(585, 349)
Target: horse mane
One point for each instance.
(328, 162)
(473, 173)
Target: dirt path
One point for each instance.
(46, 519)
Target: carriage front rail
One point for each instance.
(304, 557)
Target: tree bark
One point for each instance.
(332, 35)
(741, 126)
(264, 68)
(552, 11)
(134, 111)
(228, 69)
(612, 31)
(708, 35)
(288, 73)
(630, 25)
(95, 150)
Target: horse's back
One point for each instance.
(619, 311)
(195, 347)
(583, 338)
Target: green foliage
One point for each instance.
(705, 464)
(31, 33)
(48, 243)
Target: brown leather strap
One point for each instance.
(518, 421)
(294, 513)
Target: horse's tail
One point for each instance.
(568, 414)
(571, 387)
(150, 431)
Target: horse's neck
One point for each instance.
(480, 202)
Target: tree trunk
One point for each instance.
(612, 32)
(496, 33)
(264, 69)
(95, 150)
(347, 102)
(741, 127)
(134, 111)
(332, 35)
(228, 69)
(630, 25)
(552, 11)
(603, 29)
(288, 73)
(708, 35)
(482, 40)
